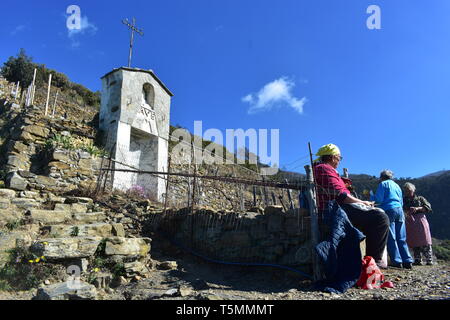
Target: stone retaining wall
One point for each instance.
(272, 236)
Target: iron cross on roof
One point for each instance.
(133, 29)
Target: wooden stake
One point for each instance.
(54, 104)
(345, 173)
(311, 198)
(31, 100)
(48, 93)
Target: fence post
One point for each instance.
(54, 104)
(291, 203)
(48, 92)
(345, 173)
(32, 90)
(311, 198)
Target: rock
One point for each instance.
(171, 292)
(29, 194)
(59, 165)
(65, 248)
(19, 147)
(46, 181)
(24, 203)
(61, 155)
(135, 268)
(63, 207)
(118, 230)
(168, 265)
(4, 203)
(67, 291)
(127, 246)
(71, 200)
(19, 162)
(273, 210)
(50, 216)
(185, 291)
(90, 217)
(79, 207)
(36, 130)
(26, 174)
(16, 182)
(8, 216)
(84, 230)
(7, 194)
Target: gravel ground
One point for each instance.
(194, 279)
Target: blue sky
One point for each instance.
(309, 68)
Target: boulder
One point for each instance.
(127, 246)
(66, 248)
(68, 290)
(16, 182)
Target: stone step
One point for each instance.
(68, 290)
(89, 217)
(94, 230)
(25, 203)
(66, 248)
(7, 193)
(9, 215)
(52, 217)
(73, 207)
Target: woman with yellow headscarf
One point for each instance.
(373, 222)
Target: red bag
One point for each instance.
(371, 276)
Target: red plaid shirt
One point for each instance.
(329, 184)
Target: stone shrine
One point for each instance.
(134, 117)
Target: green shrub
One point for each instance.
(24, 270)
(75, 143)
(13, 224)
(442, 250)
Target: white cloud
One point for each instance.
(17, 29)
(85, 27)
(275, 94)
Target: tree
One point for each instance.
(19, 68)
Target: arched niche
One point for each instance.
(148, 92)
